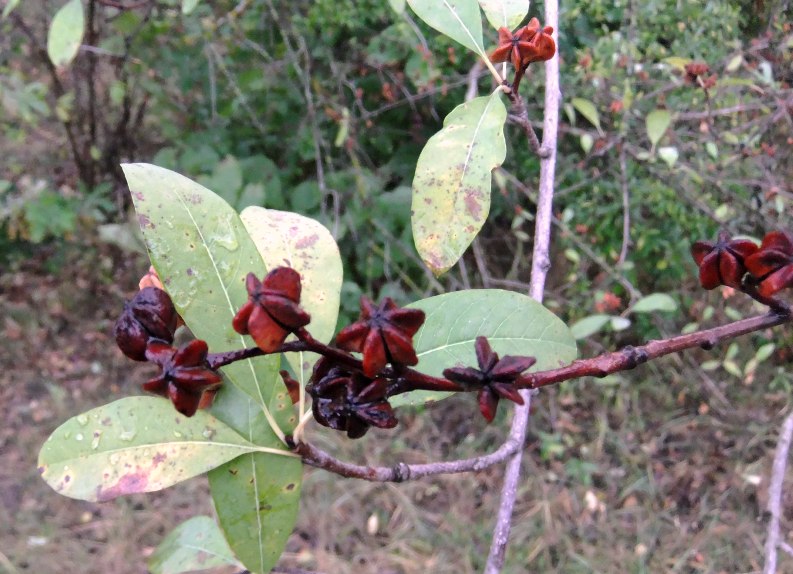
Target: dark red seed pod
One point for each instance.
(185, 376)
(495, 378)
(150, 315)
(272, 311)
(722, 262)
(772, 264)
(384, 334)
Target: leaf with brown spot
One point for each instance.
(451, 188)
(124, 448)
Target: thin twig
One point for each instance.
(630, 357)
(775, 493)
(626, 209)
(539, 269)
(520, 115)
(121, 6)
(401, 471)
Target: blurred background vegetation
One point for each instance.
(322, 108)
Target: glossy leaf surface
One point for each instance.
(460, 20)
(451, 188)
(135, 444)
(513, 323)
(196, 544)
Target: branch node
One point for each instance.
(401, 472)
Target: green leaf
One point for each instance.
(669, 155)
(451, 188)
(515, 324)
(196, 544)
(589, 111)
(188, 6)
(505, 13)
(588, 326)
(655, 302)
(9, 7)
(677, 62)
(66, 33)
(305, 245)
(202, 252)
(657, 123)
(397, 5)
(587, 141)
(135, 444)
(460, 20)
(764, 352)
(227, 179)
(256, 496)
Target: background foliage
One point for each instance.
(323, 107)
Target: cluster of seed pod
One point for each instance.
(348, 394)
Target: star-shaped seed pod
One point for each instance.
(184, 376)
(149, 315)
(772, 264)
(722, 262)
(384, 334)
(495, 378)
(272, 312)
(349, 401)
(526, 45)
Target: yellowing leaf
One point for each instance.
(136, 444)
(451, 188)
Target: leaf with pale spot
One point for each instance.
(451, 188)
(202, 253)
(135, 444)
